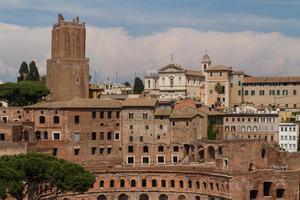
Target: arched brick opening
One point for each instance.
(211, 153)
(144, 197)
(101, 197)
(181, 197)
(123, 197)
(197, 198)
(163, 197)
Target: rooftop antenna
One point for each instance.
(116, 77)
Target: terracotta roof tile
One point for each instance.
(140, 102)
(194, 73)
(219, 68)
(271, 79)
(162, 112)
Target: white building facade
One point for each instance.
(289, 136)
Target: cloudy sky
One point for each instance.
(261, 37)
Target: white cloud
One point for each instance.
(113, 50)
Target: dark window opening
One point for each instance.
(267, 188)
(253, 194)
(42, 120)
(76, 119)
(54, 151)
(144, 183)
(56, 120)
(163, 183)
(94, 135)
(132, 183)
(76, 152)
(122, 183)
(130, 149)
(154, 183)
(172, 183)
(280, 193)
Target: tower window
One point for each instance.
(77, 80)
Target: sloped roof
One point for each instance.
(272, 79)
(219, 68)
(171, 65)
(139, 102)
(80, 103)
(185, 113)
(194, 73)
(163, 111)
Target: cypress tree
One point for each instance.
(23, 71)
(138, 87)
(33, 74)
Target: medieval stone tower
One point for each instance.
(68, 69)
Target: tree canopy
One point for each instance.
(138, 87)
(23, 93)
(23, 71)
(33, 74)
(219, 88)
(30, 176)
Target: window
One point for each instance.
(145, 115)
(132, 183)
(42, 120)
(173, 123)
(267, 188)
(109, 150)
(145, 149)
(94, 149)
(172, 183)
(175, 159)
(77, 136)
(154, 183)
(111, 183)
(261, 92)
(76, 152)
(130, 115)
(130, 160)
(141, 138)
(161, 126)
(56, 136)
(2, 136)
(160, 148)
(109, 114)
(130, 149)
(145, 159)
(295, 92)
(101, 151)
(221, 74)
(160, 159)
(252, 92)
(94, 135)
(55, 120)
(146, 127)
(118, 114)
(93, 114)
(122, 183)
(131, 127)
(101, 115)
(187, 123)
(144, 183)
(176, 149)
(109, 136)
(246, 92)
(130, 138)
(181, 184)
(76, 119)
(46, 135)
(101, 184)
(101, 135)
(117, 136)
(163, 183)
(54, 151)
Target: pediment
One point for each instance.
(172, 68)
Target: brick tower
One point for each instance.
(68, 69)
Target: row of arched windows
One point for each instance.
(164, 184)
(145, 197)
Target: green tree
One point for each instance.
(211, 132)
(219, 88)
(23, 93)
(29, 176)
(23, 71)
(33, 74)
(43, 80)
(138, 87)
(127, 84)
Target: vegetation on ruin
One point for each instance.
(211, 132)
(219, 89)
(39, 176)
(23, 93)
(138, 86)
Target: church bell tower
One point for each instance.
(68, 68)
(206, 62)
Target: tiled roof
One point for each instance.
(185, 113)
(194, 73)
(139, 102)
(80, 103)
(162, 112)
(271, 79)
(238, 72)
(219, 68)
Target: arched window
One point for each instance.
(190, 184)
(112, 183)
(181, 197)
(163, 183)
(37, 135)
(211, 186)
(149, 84)
(122, 183)
(45, 135)
(181, 184)
(101, 197)
(123, 197)
(263, 153)
(145, 149)
(56, 120)
(248, 128)
(171, 82)
(101, 184)
(144, 183)
(163, 197)
(220, 150)
(211, 152)
(204, 185)
(144, 197)
(198, 184)
(255, 128)
(42, 120)
(154, 183)
(197, 198)
(172, 183)
(176, 149)
(132, 183)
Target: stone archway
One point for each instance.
(144, 197)
(101, 197)
(163, 197)
(123, 197)
(211, 153)
(181, 197)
